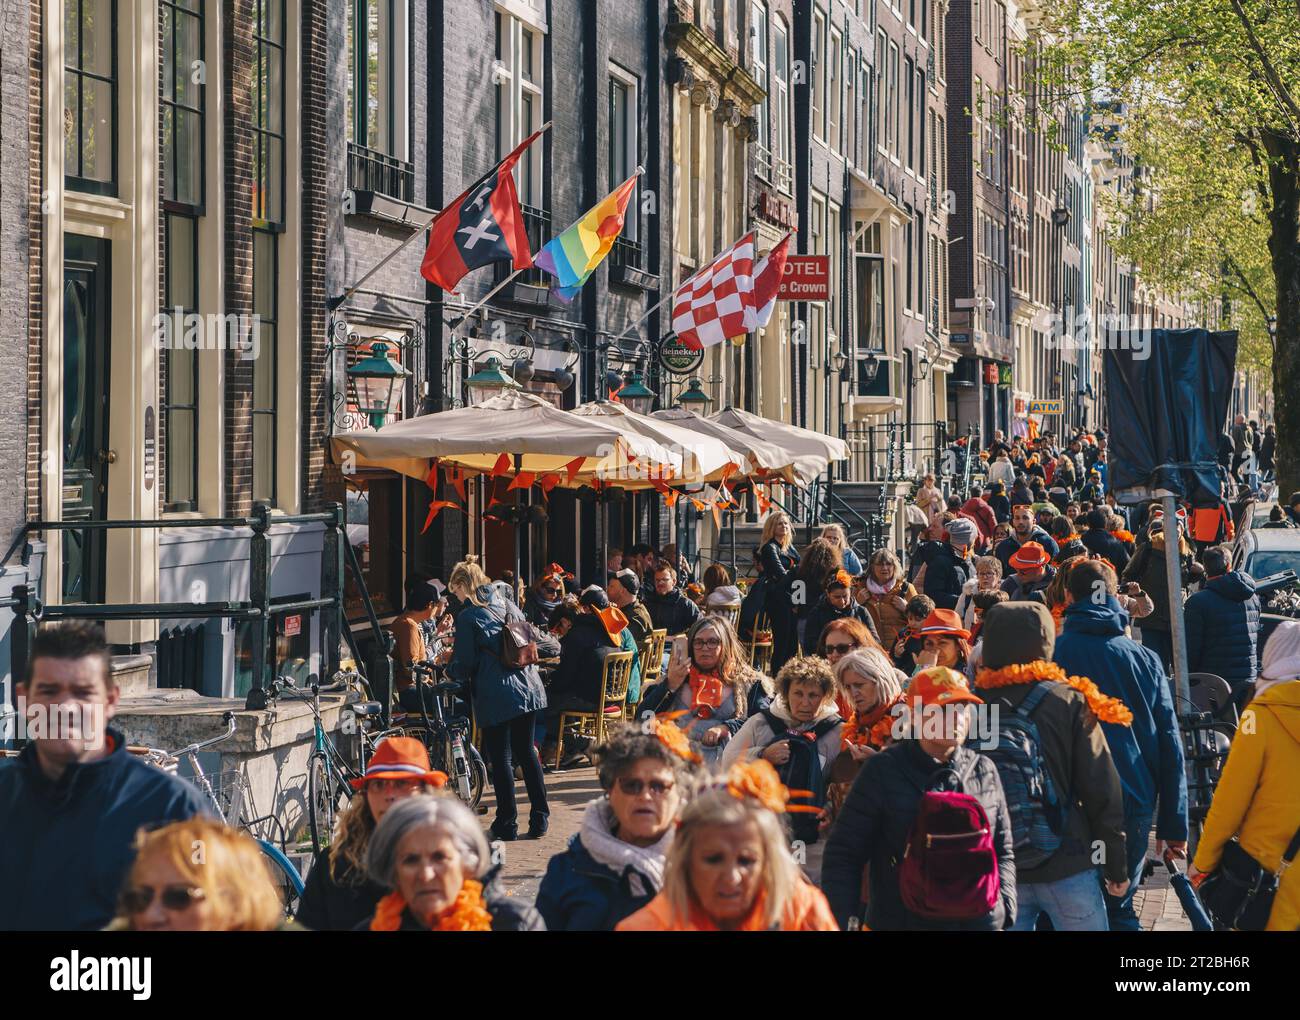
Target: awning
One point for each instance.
(765, 458)
(704, 458)
(810, 451)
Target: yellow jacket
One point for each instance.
(1258, 797)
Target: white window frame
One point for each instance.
(819, 75)
(782, 132)
(632, 148)
(834, 93)
(507, 74)
(759, 40)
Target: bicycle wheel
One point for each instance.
(321, 794)
(285, 876)
(477, 774)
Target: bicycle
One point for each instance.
(446, 736)
(225, 793)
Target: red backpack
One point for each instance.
(949, 870)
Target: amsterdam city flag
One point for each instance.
(482, 226)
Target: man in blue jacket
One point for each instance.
(72, 802)
(1223, 625)
(1148, 754)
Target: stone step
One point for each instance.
(132, 674)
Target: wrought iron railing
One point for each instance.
(371, 170)
(627, 253)
(900, 452)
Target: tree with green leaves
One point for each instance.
(1210, 98)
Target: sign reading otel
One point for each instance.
(807, 278)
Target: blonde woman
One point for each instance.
(199, 875)
(506, 701)
(712, 687)
(988, 577)
(339, 895)
(778, 560)
(838, 537)
(730, 868)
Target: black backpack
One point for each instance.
(803, 770)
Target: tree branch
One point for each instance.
(1245, 283)
(1280, 91)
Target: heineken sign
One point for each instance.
(677, 358)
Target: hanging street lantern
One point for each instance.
(870, 367)
(693, 398)
(375, 382)
(637, 395)
(489, 381)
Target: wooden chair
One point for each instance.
(760, 650)
(729, 613)
(652, 665)
(615, 676)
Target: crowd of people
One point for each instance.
(985, 738)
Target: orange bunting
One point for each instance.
(699, 504)
(456, 476)
(717, 516)
(671, 496)
(436, 507)
(501, 466)
(431, 479)
(573, 467)
(549, 482)
(523, 480)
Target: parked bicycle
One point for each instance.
(445, 734)
(227, 794)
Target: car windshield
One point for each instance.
(1266, 562)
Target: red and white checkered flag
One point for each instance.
(717, 303)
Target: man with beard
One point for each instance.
(1023, 530)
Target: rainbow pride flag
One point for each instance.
(574, 255)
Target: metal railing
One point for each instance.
(771, 168)
(371, 170)
(257, 608)
(537, 225)
(627, 253)
(890, 453)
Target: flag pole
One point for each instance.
(486, 298)
(337, 301)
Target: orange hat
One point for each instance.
(940, 685)
(400, 758)
(1029, 556)
(944, 621)
(840, 579)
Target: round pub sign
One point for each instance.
(677, 358)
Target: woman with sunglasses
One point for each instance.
(614, 866)
(544, 597)
(339, 894)
(227, 887)
(839, 638)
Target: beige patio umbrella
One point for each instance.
(539, 437)
(704, 457)
(810, 451)
(765, 458)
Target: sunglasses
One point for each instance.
(174, 897)
(636, 787)
(710, 642)
(839, 649)
(551, 589)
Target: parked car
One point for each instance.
(1264, 553)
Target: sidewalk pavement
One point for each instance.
(568, 793)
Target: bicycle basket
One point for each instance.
(230, 791)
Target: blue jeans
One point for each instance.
(1137, 831)
(1072, 904)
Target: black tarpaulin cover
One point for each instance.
(1167, 393)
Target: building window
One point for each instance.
(892, 100)
(758, 61)
(781, 105)
(623, 159)
(180, 384)
(518, 74)
(268, 113)
(182, 30)
(266, 289)
(819, 75)
(909, 104)
(90, 95)
(377, 91)
(834, 94)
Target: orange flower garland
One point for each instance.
(1123, 535)
(467, 912)
(1104, 707)
(879, 725)
(1058, 616)
(672, 737)
(758, 780)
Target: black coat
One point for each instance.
(581, 660)
(1223, 629)
(823, 613)
(580, 894)
(873, 826)
(1106, 545)
(336, 904)
(945, 573)
(673, 612)
(1008, 546)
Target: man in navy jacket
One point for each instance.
(1223, 625)
(72, 802)
(1148, 754)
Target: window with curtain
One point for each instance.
(182, 32)
(90, 95)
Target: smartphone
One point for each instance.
(681, 655)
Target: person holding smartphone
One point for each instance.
(710, 684)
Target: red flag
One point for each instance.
(573, 467)
(715, 304)
(767, 281)
(523, 480)
(456, 475)
(481, 226)
(549, 482)
(431, 479)
(436, 507)
(500, 467)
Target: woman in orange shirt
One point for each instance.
(730, 868)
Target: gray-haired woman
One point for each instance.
(432, 854)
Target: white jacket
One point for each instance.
(756, 734)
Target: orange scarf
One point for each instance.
(700, 921)
(706, 693)
(873, 731)
(1104, 707)
(467, 912)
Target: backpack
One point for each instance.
(803, 770)
(1037, 812)
(518, 643)
(949, 870)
